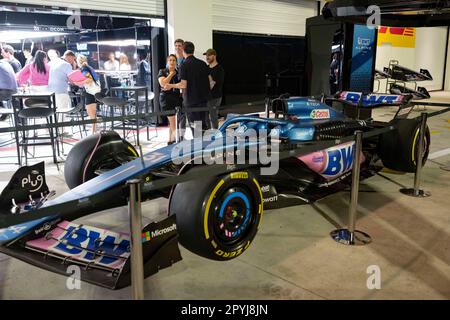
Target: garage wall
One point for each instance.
(277, 17)
(195, 20)
(429, 53)
(136, 7)
(447, 72)
(190, 20)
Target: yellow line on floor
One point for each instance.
(433, 132)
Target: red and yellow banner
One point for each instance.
(398, 37)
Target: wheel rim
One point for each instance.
(233, 216)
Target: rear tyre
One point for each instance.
(398, 149)
(218, 217)
(97, 153)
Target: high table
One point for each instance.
(148, 96)
(51, 100)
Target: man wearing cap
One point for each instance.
(8, 54)
(217, 74)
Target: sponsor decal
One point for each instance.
(371, 99)
(320, 114)
(232, 254)
(335, 161)
(363, 41)
(397, 37)
(265, 189)
(271, 199)
(33, 182)
(46, 227)
(84, 243)
(318, 159)
(313, 103)
(147, 236)
(239, 175)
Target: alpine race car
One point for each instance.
(216, 216)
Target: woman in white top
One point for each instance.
(124, 63)
(112, 64)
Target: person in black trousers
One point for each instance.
(195, 83)
(170, 99)
(218, 78)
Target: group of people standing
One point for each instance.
(190, 83)
(48, 72)
(186, 82)
(113, 65)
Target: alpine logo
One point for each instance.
(317, 114)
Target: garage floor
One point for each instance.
(293, 256)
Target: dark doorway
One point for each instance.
(260, 65)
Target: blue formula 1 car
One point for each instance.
(214, 216)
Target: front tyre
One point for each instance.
(95, 154)
(218, 217)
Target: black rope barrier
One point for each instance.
(141, 116)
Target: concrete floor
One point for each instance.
(293, 256)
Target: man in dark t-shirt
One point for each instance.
(195, 83)
(217, 74)
(8, 54)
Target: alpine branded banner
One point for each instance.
(363, 58)
(397, 37)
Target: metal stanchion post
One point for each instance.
(267, 105)
(137, 260)
(177, 129)
(416, 191)
(351, 236)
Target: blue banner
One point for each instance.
(363, 56)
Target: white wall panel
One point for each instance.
(190, 20)
(134, 7)
(277, 17)
(447, 72)
(429, 53)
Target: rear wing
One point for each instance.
(372, 100)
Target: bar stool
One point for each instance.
(75, 112)
(113, 102)
(35, 109)
(7, 114)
